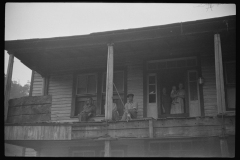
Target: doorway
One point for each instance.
(168, 79)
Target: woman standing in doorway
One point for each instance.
(178, 100)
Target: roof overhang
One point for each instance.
(50, 54)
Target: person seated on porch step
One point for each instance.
(88, 110)
(130, 108)
(115, 114)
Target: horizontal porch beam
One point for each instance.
(168, 128)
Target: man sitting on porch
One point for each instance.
(88, 110)
(130, 108)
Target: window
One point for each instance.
(86, 87)
(94, 85)
(87, 84)
(152, 88)
(118, 80)
(230, 85)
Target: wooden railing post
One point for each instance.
(8, 85)
(107, 149)
(150, 122)
(109, 84)
(219, 74)
(224, 147)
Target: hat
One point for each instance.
(130, 94)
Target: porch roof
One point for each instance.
(50, 54)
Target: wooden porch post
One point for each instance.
(109, 84)
(219, 74)
(224, 147)
(150, 122)
(8, 85)
(107, 149)
(220, 88)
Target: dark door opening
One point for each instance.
(167, 79)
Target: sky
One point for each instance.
(46, 20)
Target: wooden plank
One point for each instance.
(30, 100)
(35, 117)
(61, 112)
(61, 96)
(39, 109)
(56, 94)
(109, 83)
(58, 118)
(13, 111)
(8, 85)
(60, 90)
(224, 147)
(150, 128)
(195, 131)
(62, 101)
(219, 74)
(107, 149)
(60, 109)
(37, 83)
(6, 132)
(188, 122)
(57, 105)
(59, 83)
(15, 119)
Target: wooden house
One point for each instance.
(66, 70)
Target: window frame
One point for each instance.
(87, 74)
(228, 86)
(99, 78)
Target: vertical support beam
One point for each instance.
(224, 147)
(219, 74)
(8, 85)
(150, 128)
(45, 85)
(107, 149)
(109, 83)
(31, 84)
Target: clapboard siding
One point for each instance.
(60, 87)
(37, 84)
(29, 152)
(135, 82)
(209, 87)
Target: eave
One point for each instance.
(50, 54)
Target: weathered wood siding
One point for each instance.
(37, 85)
(61, 151)
(60, 87)
(135, 82)
(13, 150)
(209, 86)
(43, 132)
(162, 128)
(29, 109)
